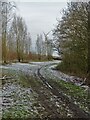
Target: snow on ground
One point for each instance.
(18, 99)
(76, 80)
(45, 63)
(16, 96)
(47, 70)
(24, 67)
(27, 67)
(50, 72)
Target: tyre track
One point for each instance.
(50, 108)
(79, 113)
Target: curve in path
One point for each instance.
(76, 110)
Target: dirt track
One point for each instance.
(55, 90)
(52, 101)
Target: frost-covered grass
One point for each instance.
(26, 91)
(77, 94)
(19, 112)
(27, 103)
(19, 100)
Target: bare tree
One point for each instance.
(6, 16)
(21, 36)
(39, 46)
(49, 48)
(28, 43)
(48, 44)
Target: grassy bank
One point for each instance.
(76, 93)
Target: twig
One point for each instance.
(6, 78)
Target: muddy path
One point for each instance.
(53, 106)
(51, 101)
(57, 91)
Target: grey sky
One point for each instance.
(40, 16)
(40, 0)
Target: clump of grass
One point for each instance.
(73, 90)
(19, 112)
(8, 72)
(76, 93)
(23, 81)
(17, 75)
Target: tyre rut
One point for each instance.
(75, 108)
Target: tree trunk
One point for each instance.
(18, 59)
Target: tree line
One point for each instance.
(72, 36)
(44, 46)
(15, 38)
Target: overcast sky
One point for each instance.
(40, 16)
(40, 0)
